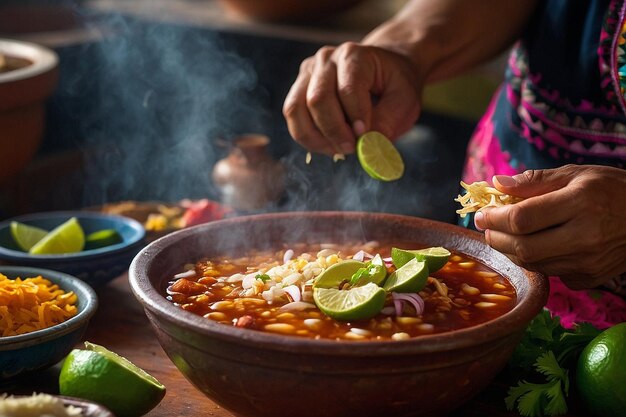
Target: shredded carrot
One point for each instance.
(33, 304)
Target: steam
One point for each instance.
(163, 95)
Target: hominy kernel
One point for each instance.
(426, 327)
(487, 274)
(222, 305)
(360, 332)
(484, 304)
(216, 315)
(400, 336)
(468, 264)
(469, 290)
(280, 328)
(406, 321)
(353, 336)
(499, 286)
(313, 324)
(285, 316)
(496, 297)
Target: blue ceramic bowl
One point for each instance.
(43, 348)
(95, 266)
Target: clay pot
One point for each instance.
(249, 179)
(24, 85)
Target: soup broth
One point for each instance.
(272, 292)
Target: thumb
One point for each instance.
(531, 183)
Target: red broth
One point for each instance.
(462, 294)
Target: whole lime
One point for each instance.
(601, 373)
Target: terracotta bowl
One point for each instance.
(28, 79)
(252, 373)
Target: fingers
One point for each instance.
(299, 122)
(530, 215)
(535, 182)
(324, 104)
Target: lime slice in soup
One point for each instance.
(102, 238)
(435, 257)
(66, 238)
(374, 271)
(335, 274)
(411, 277)
(26, 236)
(357, 303)
(379, 157)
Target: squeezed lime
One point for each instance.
(379, 157)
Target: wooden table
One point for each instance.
(121, 326)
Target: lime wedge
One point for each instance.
(379, 157)
(102, 238)
(26, 236)
(435, 257)
(411, 277)
(66, 238)
(335, 274)
(99, 375)
(374, 271)
(357, 303)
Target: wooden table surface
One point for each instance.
(120, 325)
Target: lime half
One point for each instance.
(99, 375)
(379, 157)
(66, 238)
(26, 236)
(102, 238)
(411, 277)
(435, 257)
(357, 303)
(335, 274)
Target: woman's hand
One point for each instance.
(572, 223)
(342, 92)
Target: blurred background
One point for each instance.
(148, 95)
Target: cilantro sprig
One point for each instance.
(546, 354)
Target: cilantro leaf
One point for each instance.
(547, 399)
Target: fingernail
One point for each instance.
(505, 180)
(359, 127)
(478, 218)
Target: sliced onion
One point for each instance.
(294, 292)
(414, 299)
(362, 255)
(397, 303)
(296, 306)
(388, 311)
(388, 261)
(288, 255)
(185, 274)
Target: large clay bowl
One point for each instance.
(258, 374)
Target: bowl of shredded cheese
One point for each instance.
(43, 315)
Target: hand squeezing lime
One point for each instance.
(379, 157)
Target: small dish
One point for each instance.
(40, 349)
(96, 266)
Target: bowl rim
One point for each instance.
(137, 237)
(80, 287)
(43, 59)
(152, 301)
